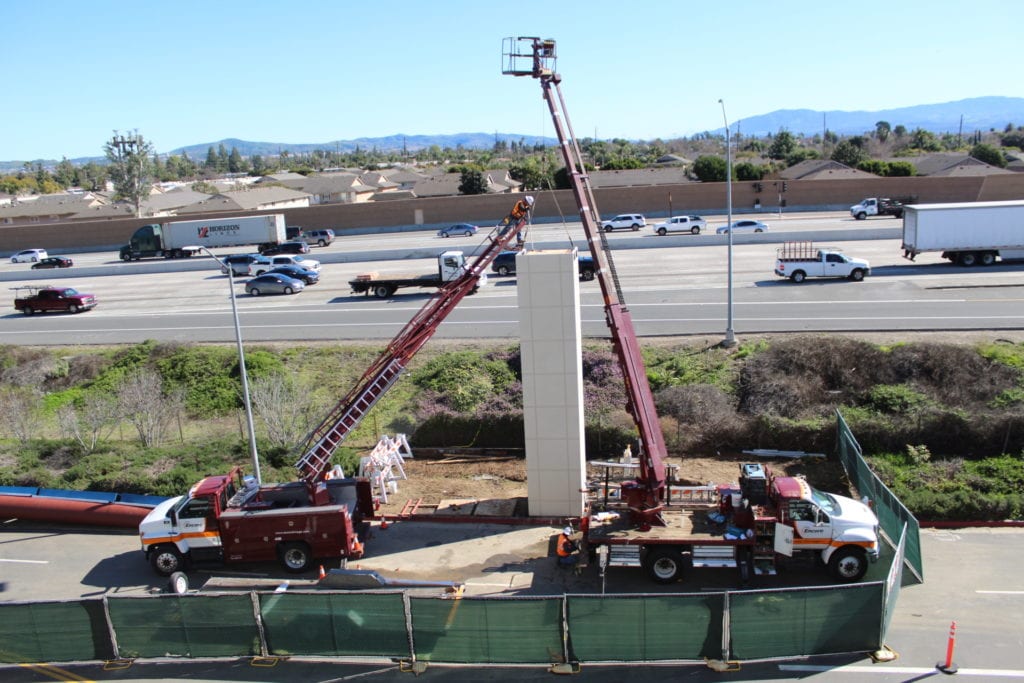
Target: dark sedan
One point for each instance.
(54, 262)
(310, 277)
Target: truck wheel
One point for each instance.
(165, 560)
(987, 258)
(126, 258)
(382, 291)
(798, 276)
(857, 275)
(695, 230)
(898, 214)
(178, 583)
(968, 259)
(587, 275)
(503, 270)
(608, 228)
(28, 310)
(662, 231)
(321, 243)
(73, 308)
(635, 227)
(664, 565)
(295, 557)
(861, 216)
(848, 564)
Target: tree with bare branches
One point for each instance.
(90, 422)
(281, 405)
(143, 402)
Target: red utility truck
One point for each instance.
(229, 519)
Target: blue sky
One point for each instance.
(189, 71)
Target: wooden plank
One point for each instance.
(456, 506)
(496, 507)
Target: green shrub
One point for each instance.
(900, 399)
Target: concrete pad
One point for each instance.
(495, 507)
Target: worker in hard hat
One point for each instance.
(566, 548)
(518, 213)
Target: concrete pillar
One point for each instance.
(549, 323)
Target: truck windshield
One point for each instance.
(825, 501)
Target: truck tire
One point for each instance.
(635, 226)
(295, 557)
(587, 275)
(608, 228)
(178, 583)
(127, 258)
(321, 243)
(382, 291)
(695, 230)
(861, 216)
(857, 275)
(662, 231)
(73, 308)
(987, 258)
(968, 259)
(848, 564)
(798, 276)
(165, 560)
(503, 270)
(664, 565)
(28, 310)
(898, 214)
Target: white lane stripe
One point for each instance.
(1001, 592)
(25, 561)
(903, 670)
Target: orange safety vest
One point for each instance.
(565, 546)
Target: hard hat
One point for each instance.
(529, 199)
(567, 530)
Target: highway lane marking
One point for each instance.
(903, 670)
(25, 561)
(1000, 592)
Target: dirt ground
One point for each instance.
(434, 479)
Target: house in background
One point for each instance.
(822, 169)
(255, 199)
(950, 165)
(639, 176)
(47, 208)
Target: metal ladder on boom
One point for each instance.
(323, 441)
(536, 57)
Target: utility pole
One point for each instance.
(128, 147)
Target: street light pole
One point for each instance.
(730, 336)
(241, 368)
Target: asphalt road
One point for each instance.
(674, 285)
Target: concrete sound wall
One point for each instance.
(654, 201)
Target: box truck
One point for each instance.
(182, 239)
(967, 233)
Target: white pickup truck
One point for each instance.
(801, 260)
(690, 224)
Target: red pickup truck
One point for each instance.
(47, 298)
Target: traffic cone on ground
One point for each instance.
(383, 524)
(323, 574)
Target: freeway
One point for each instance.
(674, 286)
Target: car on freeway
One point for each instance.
(505, 264)
(273, 283)
(239, 263)
(29, 256)
(320, 238)
(633, 221)
(53, 262)
(295, 247)
(690, 224)
(310, 277)
(285, 260)
(458, 229)
(743, 226)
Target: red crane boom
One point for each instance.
(534, 57)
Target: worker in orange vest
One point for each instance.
(566, 548)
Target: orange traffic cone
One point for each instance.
(323, 574)
(383, 524)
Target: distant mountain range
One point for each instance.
(978, 114)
